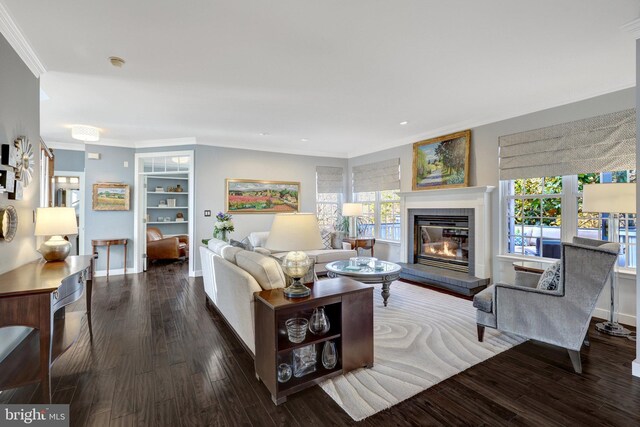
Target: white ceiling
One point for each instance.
(342, 74)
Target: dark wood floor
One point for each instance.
(159, 357)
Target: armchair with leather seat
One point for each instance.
(559, 317)
(160, 247)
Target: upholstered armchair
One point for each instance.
(560, 317)
(160, 247)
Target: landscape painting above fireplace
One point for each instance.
(442, 162)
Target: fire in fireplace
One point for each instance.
(442, 241)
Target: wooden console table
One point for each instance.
(349, 307)
(360, 242)
(35, 295)
(108, 243)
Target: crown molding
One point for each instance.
(71, 146)
(632, 27)
(10, 30)
(159, 143)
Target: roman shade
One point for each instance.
(603, 143)
(330, 179)
(377, 176)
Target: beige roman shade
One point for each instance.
(330, 179)
(377, 176)
(604, 143)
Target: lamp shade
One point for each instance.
(351, 209)
(609, 198)
(294, 232)
(85, 133)
(56, 222)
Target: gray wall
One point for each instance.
(637, 361)
(109, 224)
(19, 115)
(214, 164)
(69, 160)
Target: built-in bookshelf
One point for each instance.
(167, 202)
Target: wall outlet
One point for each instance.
(126, 164)
(207, 213)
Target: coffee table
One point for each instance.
(385, 274)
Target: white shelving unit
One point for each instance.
(165, 171)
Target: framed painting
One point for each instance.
(109, 196)
(255, 196)
(442, 162)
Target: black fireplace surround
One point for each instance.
(441, 250)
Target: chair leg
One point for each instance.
(480, 333)
(575, 361)
(586, 341)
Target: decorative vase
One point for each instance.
(223, 235)
(329, 355)
(319, 322)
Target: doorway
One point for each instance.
(67, 190)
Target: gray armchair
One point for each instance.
(560, 317)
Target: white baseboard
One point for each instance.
(635, 368)
(112, 272)
(197, 273)
(625, 319)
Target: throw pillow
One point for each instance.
(550, 279)
(244, 244)
(326, 239)
(267, 272)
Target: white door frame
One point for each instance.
(80, 175)
(139, 231)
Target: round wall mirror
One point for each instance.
(9, 218)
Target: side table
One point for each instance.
(108, 243)
(360, 242)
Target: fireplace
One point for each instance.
(442, 241)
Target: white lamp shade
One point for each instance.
(351, 209)
(56, 222)
(85, 133)
(294, 232)
(609, 198)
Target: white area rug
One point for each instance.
(421, 338)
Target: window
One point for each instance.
(542, 212)
(328, 208)
(380, 214)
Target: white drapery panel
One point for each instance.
(330, 179)
(603, 143)
(377, 176)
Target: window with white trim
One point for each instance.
(540, 213)
(380, 214)
(328, 209)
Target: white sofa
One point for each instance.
(321, 257)
(231, 276)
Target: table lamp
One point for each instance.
(55, 222)
(352, 211)
(297, 232)
(614, 198)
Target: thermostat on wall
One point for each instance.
(93, 156)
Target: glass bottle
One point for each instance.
(329, 355)
(319, 322)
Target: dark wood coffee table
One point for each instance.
(348, 305)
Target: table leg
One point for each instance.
(88, 292)
(108, 255)
(125, 257)
(45, 330)
(385, 292)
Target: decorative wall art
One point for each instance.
(8, 223)
(25, 160)
(108, 196)
(442, 162)
(18, 191)
(256, 196)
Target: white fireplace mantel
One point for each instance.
(476, 198)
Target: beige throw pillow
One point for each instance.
(265, 270)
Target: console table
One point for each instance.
(349, 307)
(35, 295)
(108, 243)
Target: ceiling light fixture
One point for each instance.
(304, 140)
(404, 123)
(117, 61)
(264, 134)
(85, 133)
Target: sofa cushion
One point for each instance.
(483, 300)
(258, 239)
(550, 279)
(216, 245)
(229, 253)
(323, 256)
(262, 251)
(265, 270)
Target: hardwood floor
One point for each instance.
(159, 357)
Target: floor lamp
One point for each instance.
(614, 198)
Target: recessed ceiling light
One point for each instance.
(116, 61)
(403, 123)
(264, 134)
(304, 140)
